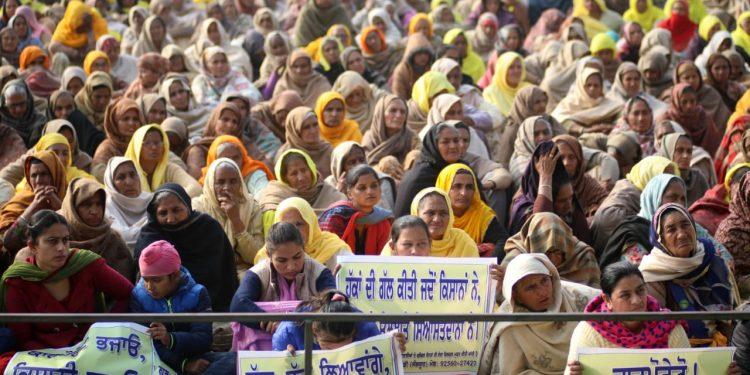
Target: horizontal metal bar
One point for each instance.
(353, 317)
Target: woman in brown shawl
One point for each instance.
(83, 207)
(121, 120)
(151, 68)
(181, 103)
(273, 113)
(708, 97)
(303, 133)
(417, 59)
(685, 108)
(587, 110)
(24, 119)
(315, 19)
(360, 96)
(93, 99)
(300, 77)
(588, 190)
(718, 71)
(388, 138)
(46, 176)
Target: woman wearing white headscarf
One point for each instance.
(126, 202)
(390, 30)
(720, 41)
(515, 347)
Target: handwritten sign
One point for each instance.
(376, 355)
(697, 361)
(395, 284)
(107, 348)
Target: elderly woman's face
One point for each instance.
(16, 105)
(302, 67)
(678, 234)
(64, 106)
(228, 123)
(395, 116)
(356, 98)
(333, 113)
(539, 105)
(158, 112)
(171, 210)
(128, 122)
(310, 133)
(227, 183)
(158, 31)
(91, 210)
(298, 174)
(449, 144)
(126, 180)
(231, 152)
(331, 52)
(434, 211)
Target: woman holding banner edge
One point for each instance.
(624, 291)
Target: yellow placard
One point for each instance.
(375, 355)
(107, 348)
(395, 284)
(690, 361)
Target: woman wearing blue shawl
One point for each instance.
(684, 273)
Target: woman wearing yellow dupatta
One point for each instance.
(58, 144)
(433, 205)
(319, 245)
(741, 35)
(510, 74)
(596, 18)
(149, 151)
(472, 65)
(71, 35)
(334, 127)
(644, 13)
(425, 89)
(472, 215)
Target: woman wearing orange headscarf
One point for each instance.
(334, 127)
(34, 68)
(380, 57)
(71, 36)
(255, 174)
(46, 176)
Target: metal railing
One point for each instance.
(308, 318)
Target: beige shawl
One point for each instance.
(378, 144)
(561, 74)
(309, 87)
(347, 83)
(584, 110)
(195, 116)
(533, 347)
